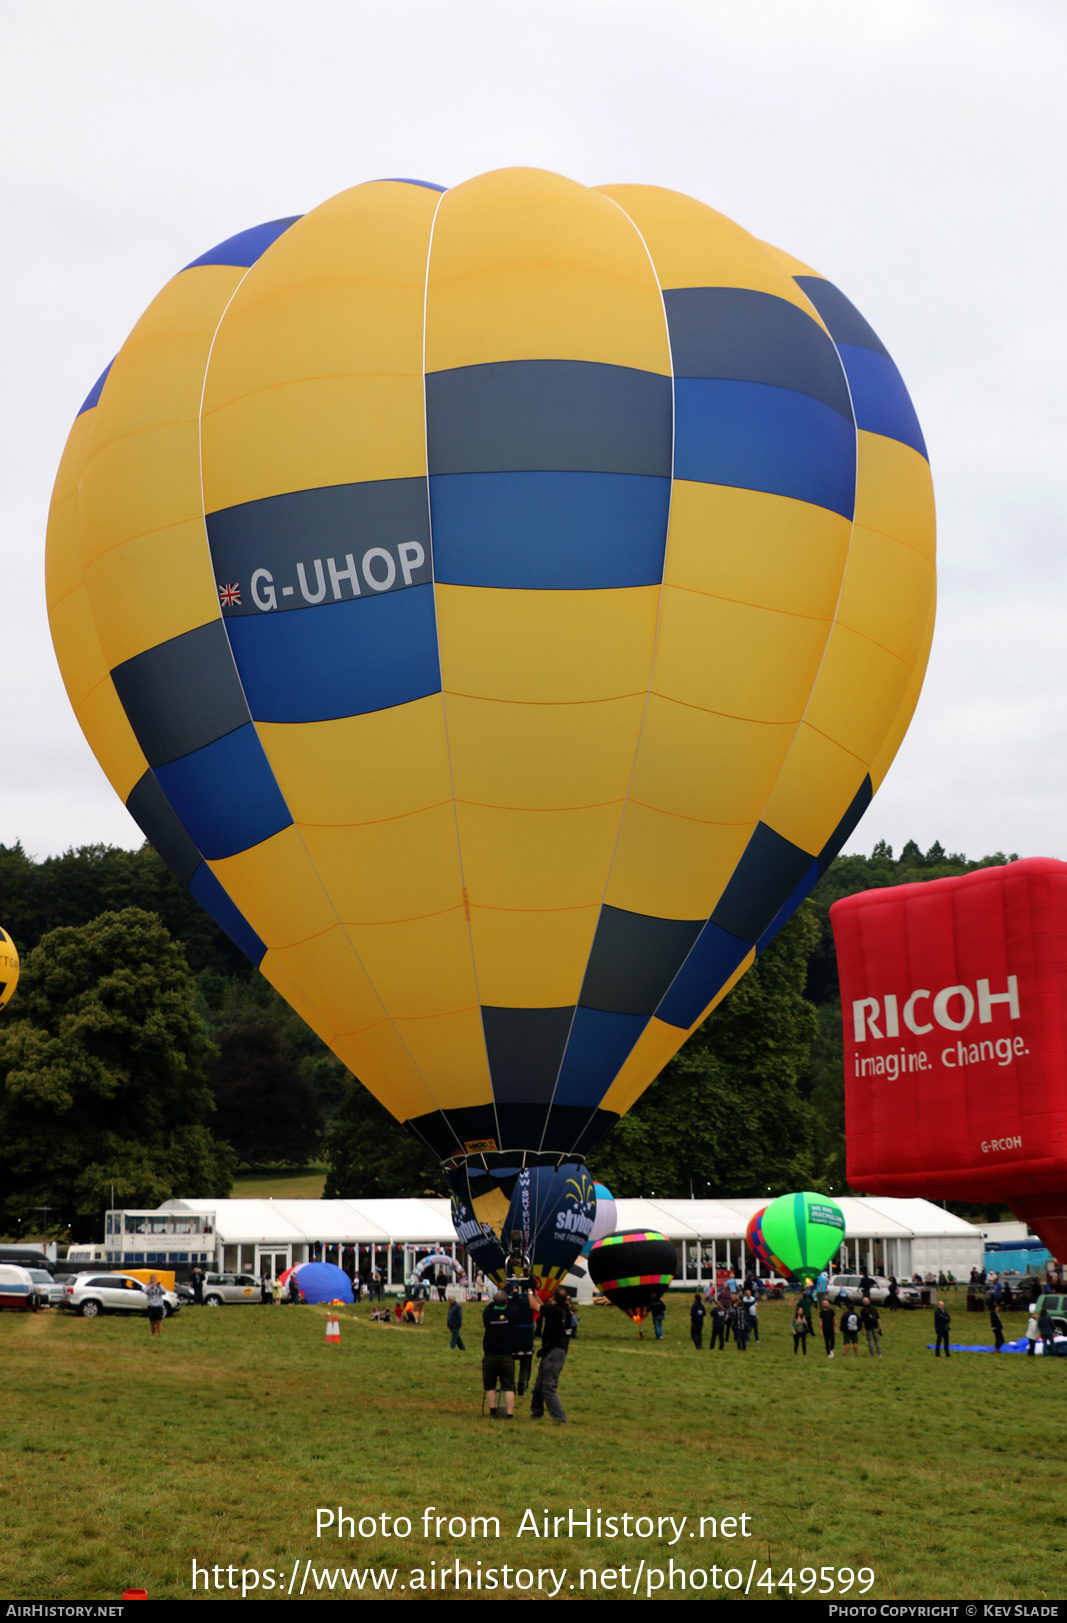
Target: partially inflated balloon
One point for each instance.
(497, 605)
(9, 968)
(545, 1213)
(803, 1231)
(633, 1270)
(757, 1244)
(605, 1219)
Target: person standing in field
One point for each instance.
(657, 1310)
(828, 1324)
(873, 1326)
(696, 1320)
(156, 1299)
(454, 1322)
(752, 1308)
(555, 1339)
(942, 1320)
(801, 1330)
(718, 1325)
(996, 1326)
(850, 1330)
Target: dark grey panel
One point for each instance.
(548, 416)
(845, 828)
(769, 871)
(846, 324)
(154, 816)
(525, 1048)
(322, 546)
(749, 337)
(183, 694)
(634, 959)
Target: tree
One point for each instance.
(726, 1116)
(371, 1155)
(100, 1078)
(267, 1109)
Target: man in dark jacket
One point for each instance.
(498, 1353)
(524, 1338)
(995, 1325)
(873, 1326)
(555, 1339)
(454, 1321)
(942, 1320)
(696, 1320)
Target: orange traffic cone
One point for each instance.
(333, 1331)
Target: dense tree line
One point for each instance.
(143, 1050)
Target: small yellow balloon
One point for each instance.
(9, 968)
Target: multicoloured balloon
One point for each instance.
(543, 1213)
(9, 968)
(803, 1231)
(633, 1269)
(497, 605)
(757, 1244)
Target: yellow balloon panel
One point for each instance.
(535, 859)
(277, 881)
(542, 757)
(713, 768)
(528, 266)
(546, 647)
(818, 779)
(534, 958)
(400, 868)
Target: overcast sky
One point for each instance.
(912, 152)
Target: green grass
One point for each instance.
(126, 1457)
(284, 1183)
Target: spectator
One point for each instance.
(156, 1301)
(801, 1330)
(828, 1324)
(198, 1286)
(873, 1326)
(996, 1327)
(894, 1294)
(753, 1317)
(658, 1309)
(807, 1307)
(850, 1330)
(454, 1322)
(739, 1324)
(1032, 1331)
(942, 1320)
(498, 1354)
(718, 1325)
(696, 1320)
(1046, 1329)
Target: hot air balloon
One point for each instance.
(757, 1244)
(497, 605)
(9, 968)
(605, 1219)
(633, 1269)
(550, 1218)
(803, 1231)
(954, 995)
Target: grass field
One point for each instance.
(127, 1458)
(286, 1183)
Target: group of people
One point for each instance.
(732, 1314)
(510, 1324)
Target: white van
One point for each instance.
(17, 1289)
(86, 1254)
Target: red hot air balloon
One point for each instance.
(954, 998)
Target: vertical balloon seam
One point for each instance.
(800, 723)
(648, 691)
(444, 709)
(294, 823)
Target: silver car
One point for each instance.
(49, 1290)
(223, 1289)
(93, 1294)
(907, 1295)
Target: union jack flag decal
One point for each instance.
(230, 596)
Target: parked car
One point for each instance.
(49, 1289)
(223, 1289)
(93, 1294)
(17, 1289)
(907, 1295)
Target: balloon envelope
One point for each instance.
(633, 1269)
(757, 1244)
(497, 604)
(9, 968)
(605, 1219)
(954, 998)
(803, 1231)
(547, 1213)
(323, 1282)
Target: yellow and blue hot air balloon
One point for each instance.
(9, 968)
(498, 605)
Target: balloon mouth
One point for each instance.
(638, 1314)
(505, 1163)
